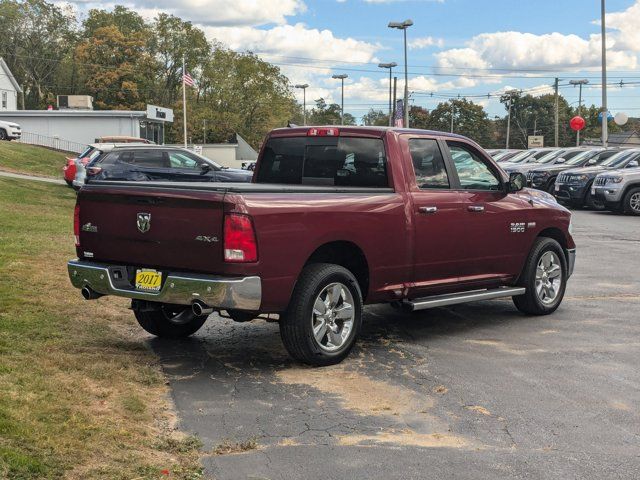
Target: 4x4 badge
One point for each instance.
(144, 222)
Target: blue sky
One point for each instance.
(459, 47)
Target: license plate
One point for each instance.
(148, 280)
(557, 188)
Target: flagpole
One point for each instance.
(184, 103)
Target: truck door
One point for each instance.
(438, 216)
(495, 223)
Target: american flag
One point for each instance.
(398, 119)
(188, 79)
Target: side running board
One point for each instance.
(462, 297)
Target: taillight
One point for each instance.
(323, 132)
(76, 224)
(239, 239)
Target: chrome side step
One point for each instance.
(462, 297)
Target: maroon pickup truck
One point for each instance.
(336, 217)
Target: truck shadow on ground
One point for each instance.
(236, 381)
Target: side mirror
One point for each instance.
(632, 164)
(561, 160)
(593, 161)
(517, 181)
(205, 168)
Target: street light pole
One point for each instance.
(341, 77)
(605, 112)
(390, 66)
(403, 26)
(580, 83)
(304, 101)
(510, 93)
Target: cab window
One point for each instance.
(473, 172)
(428, 164)
(184, 160)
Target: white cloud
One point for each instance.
(627, 25)
(216, 12)
(295, 41)
(424, 42)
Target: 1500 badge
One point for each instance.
(518, 227)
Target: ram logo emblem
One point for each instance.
(144, 222)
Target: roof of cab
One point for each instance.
(299, 130)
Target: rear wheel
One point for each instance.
(323, 319)
(544, 277)
(166, 320)
(631, 203)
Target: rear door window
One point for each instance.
(428, 163)
(150, 159)
(333, 161)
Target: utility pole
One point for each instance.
(390, 67)
(184, 103)
(510, 93)
(452, 106)
(580, 83)
(395, 91)
(556, 115)
(605, 110)
(404, 26)
(341, 77)
(304, 101)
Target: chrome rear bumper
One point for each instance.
(241, 293)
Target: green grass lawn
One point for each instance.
(81, 397)
(20, 158)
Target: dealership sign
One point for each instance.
(159, 114)
(536, 141)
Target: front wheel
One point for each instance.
(544, 277)
(631, 202)
(323, 319)
(166, 320)
(3, 134)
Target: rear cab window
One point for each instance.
(329, 161)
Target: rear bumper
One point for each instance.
(571, 261)
(240, 293)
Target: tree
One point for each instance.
(110, 62)
(419, 117)
(376, 118)
(36, 36)
(469, 119)
(324, 114)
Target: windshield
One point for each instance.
(549, 157)
(619, 158)
(580, 157)
(520, 157)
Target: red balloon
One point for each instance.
(577, 123)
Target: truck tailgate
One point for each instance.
(174, 230)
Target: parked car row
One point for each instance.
(143, 162)
(593, 177)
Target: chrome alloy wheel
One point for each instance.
(548, 277)
(634, 202)
(332, 317)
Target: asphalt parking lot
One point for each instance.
(470, 391)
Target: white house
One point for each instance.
(9, 88)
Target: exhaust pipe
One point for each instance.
(199, 308)
(90, 294)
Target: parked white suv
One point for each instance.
(10, 131)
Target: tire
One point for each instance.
(591, 202)
(539, 301)
(631, 202)
(3, 134)
(551, 186)
(318, 286)
(166, 320)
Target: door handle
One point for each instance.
(428, 210)
(475, 208)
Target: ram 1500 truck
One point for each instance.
(335, 217)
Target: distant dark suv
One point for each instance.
(150, 163)
(544, 177)
(573, 187)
